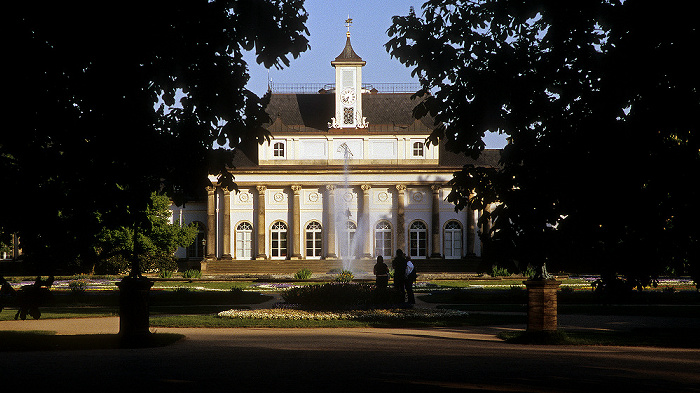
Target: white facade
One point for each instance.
(362, 186)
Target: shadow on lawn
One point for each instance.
(21, 341)
(640, 337)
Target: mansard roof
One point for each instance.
(310, 113)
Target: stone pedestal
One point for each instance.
(133, 309)
(541, 305)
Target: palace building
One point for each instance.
(347, 175)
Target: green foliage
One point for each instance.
(106, 130)
(155, 245)
(339, 296)
(192, 273)
(303, 274)
(77, 286)
(164, 273)
(344, 276)
(563, 81)
(497, 271)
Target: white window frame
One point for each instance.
(418, 147)
(418, 240)
(279, 152)
(452, 236)
(197, 250)
(314, 234)
(279, 240)
(244, 240)
(383, 239)
(347, 236)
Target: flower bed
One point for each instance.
(358, 315)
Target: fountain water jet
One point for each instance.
(347, 240)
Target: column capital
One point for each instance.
(401, 187)
(436, 188)
(330, 187)
(366, 187)
(261, 188)
(296, 188)
(211, 189)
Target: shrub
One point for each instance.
(192, 273)
(163, 273)
(499, 272)
(303, 274)
(78, 286)
(338, 296)
(344, 276)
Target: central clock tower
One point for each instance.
(348, 88)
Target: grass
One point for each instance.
(646, 337)
(213, 321)
(41, 340)
(196, 303)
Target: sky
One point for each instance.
(370, 21)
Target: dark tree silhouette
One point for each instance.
(110, 102)
(598, 100)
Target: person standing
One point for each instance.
(399, 265)
(381, 270)
(410, 279)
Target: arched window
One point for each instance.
(417, 149)
(382, 239)
(346, 237)
(314, 240)
(453, 239)
(197, 248)
(244, 241)
(279, 240)
(278, 149)
(418, 239)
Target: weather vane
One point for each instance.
(348, 22)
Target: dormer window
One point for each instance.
(417, 149)
(278, 149)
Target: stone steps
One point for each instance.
(291, 266)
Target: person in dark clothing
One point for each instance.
(381, 270)
(399, 265)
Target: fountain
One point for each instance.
(347, 240)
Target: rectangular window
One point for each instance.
(278, 149)
(348, 116)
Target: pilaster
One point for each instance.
(260, 224)
(435, 226)
(330, 221)
(367, 236)
(211, 222)
(295, 226)
(400, 217)
(227, 224)
(471, 230)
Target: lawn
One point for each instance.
(196, 303)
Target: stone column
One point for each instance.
(367, 227)
(435, 227)
(260, 224)
(471, 231)
(295, 227)
(400, 218)
(227, 224)
(211, 222)
(541, 305)
(330, 222)
(486, 233)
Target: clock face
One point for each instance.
(347, 96)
